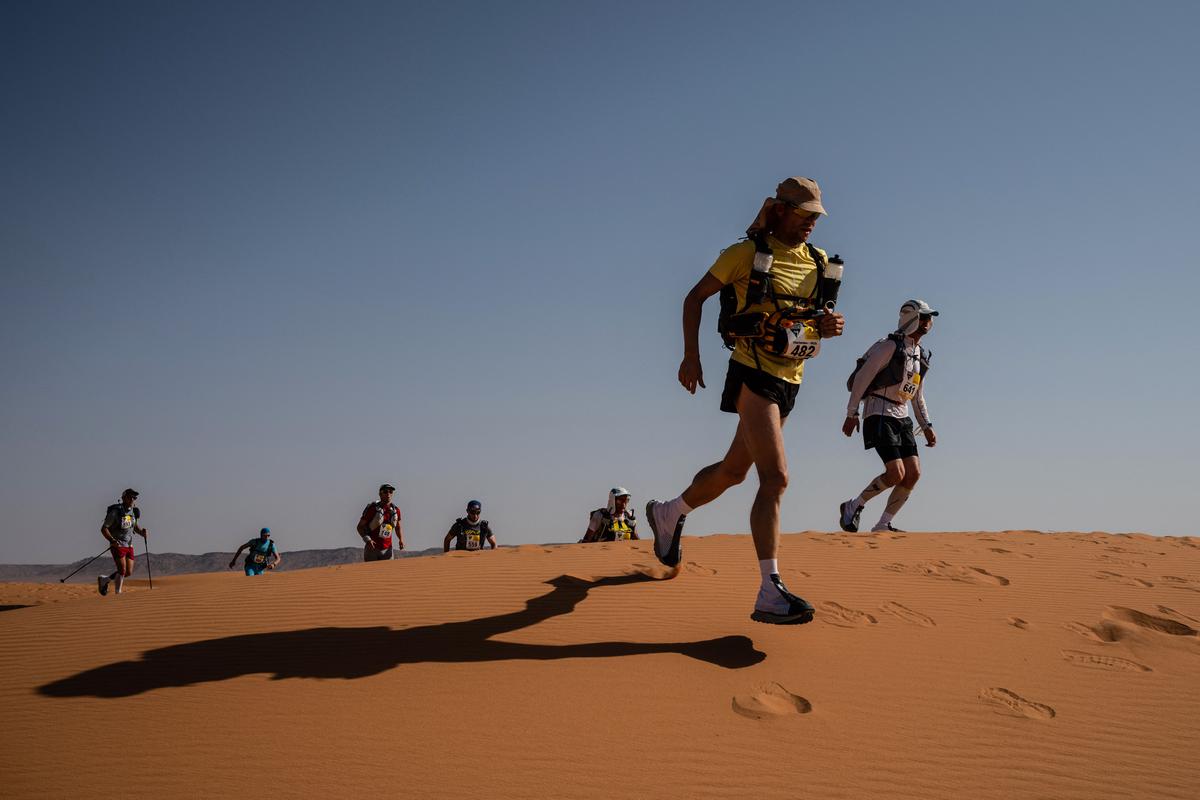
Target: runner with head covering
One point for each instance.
(889, 376)
(261, 554)
(615, 522)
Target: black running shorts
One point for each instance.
(890, 437)
(777, 390)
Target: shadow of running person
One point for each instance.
(360, 652)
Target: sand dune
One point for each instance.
(982, 665)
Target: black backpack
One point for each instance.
(728, 296)
(893, 373)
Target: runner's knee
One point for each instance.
(773, 481)
(894, 474)
(911, 476)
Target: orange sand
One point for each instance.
(970, 665)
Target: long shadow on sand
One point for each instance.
(360, 652)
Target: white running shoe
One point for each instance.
(667, 533)
(777, 606)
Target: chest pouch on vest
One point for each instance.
(789, 334)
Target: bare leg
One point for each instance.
(762, 432)
(712, 481)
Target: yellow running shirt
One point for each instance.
(793, 272)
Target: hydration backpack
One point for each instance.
(893, 373)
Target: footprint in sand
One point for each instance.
(999, 550)
(1093, 661)
(1149, 621)
(836, 614)
(1009, 702)
(1105, 632)
(1173, 612)
(954, 572)
(1017, 622)
(699, 569)
(770, 701)
(907, 614)
(1117, 577)
(1176, 582)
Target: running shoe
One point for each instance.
(784, 608)
(885, 529)
(102, 584)
(671, 553)
(849, 522)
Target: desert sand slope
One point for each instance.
(969, 665)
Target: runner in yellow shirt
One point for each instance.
(778, 329)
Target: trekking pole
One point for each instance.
(85, 564)
(149, 574)
(93, 558)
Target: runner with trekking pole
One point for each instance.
(120, 524)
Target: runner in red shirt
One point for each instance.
(380, 527)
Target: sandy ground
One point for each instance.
(966, 665)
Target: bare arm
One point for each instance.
(399, 532)
(691, 373)
(492, 540)
(449, 538)
(233, 560)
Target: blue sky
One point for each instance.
(258, 258)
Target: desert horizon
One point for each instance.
(1013, 664)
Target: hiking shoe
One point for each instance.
(885, 529)
(784, 608)
(666, 530)
(102, 584)
(849, 522)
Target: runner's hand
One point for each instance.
(930, 437)
(371, 543)
(231, 564)
(850, 426)
(691, 373)
(831, 324)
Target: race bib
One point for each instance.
(126, 522)
(386, 530)
(260, 558)
(619, 534)
(909, 386)
(801, 343)
(473, 540)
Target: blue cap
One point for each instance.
(264, 530)
(474, 505)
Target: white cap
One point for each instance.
(911, 313)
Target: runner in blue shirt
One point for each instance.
(261, 554)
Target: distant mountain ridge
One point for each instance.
(185, 563)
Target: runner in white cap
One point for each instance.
(887, 378)
(615, 522)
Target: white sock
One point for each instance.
(884, 519)
(673, 510)
(679, 507)
(120, 582)
(768, 567)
